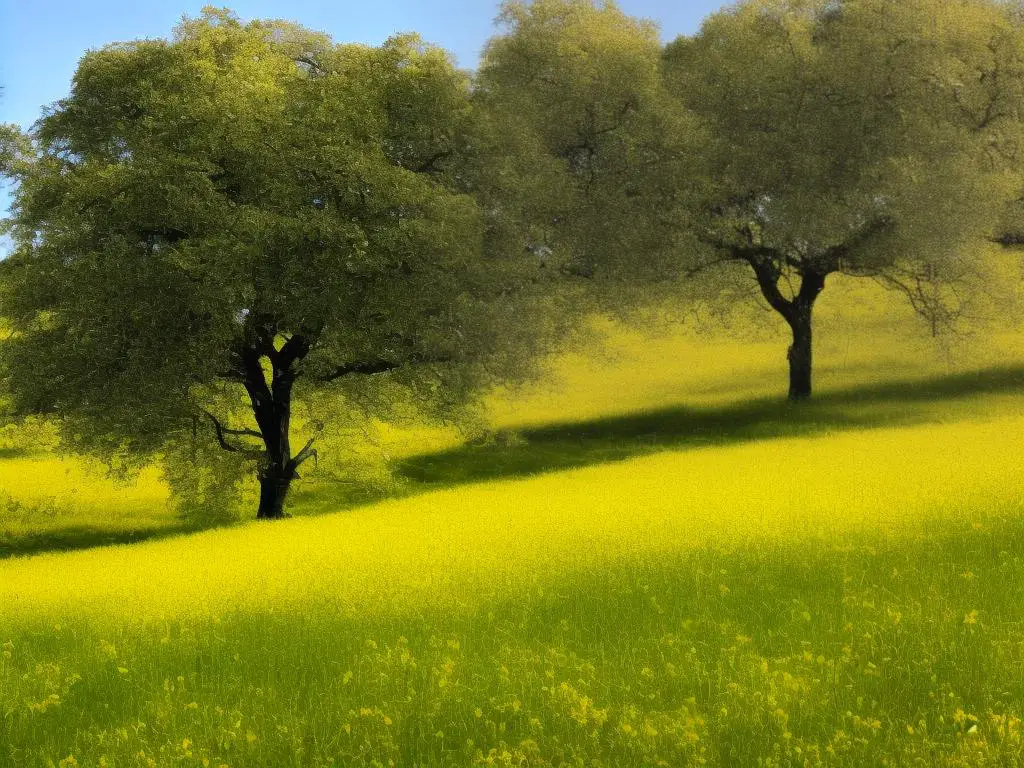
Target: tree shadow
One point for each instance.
(572, 445)
(16, 453)
(577, 444)
(326, 496)
(24, 544)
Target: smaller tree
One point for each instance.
(217, 224)
(857, 136)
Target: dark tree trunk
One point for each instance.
(797, 311)
(273, 492)
(278, 469)
(272, 408)
(800, 353)
(800, 318)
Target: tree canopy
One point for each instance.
(14, 149)
(211, 228)
(863, 137)
(212, 221)
(794, 138)
(607, 149)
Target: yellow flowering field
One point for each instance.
(662, 568)
(61, 502)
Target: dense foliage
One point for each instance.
(242, 211)
(212, 228)
(863, 137)
(798, 139)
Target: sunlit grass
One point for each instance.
(846, 597)
(753, 584)
(461, 547)
(57, 502)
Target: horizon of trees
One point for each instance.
(212, 228)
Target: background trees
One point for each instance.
(796, 139)
(607, 155)
(863, 137)
(216, 222)
(210, 228)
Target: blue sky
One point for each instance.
(41, 41)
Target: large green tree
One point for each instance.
(862, 137)
(793, 139)
(213, 224)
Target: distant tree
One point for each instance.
(600, 149)
(862, 137)
(213, 225)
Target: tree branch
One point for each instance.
(1008, 239)
(371, 367)
(222, 431)
(307, 452)
(366, 368)
(835, 256)
(311, 63)
(294, 349)
(429, 165)
(767, 273)
(698, 269)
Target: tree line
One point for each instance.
(211, 228)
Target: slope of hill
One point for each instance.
(646, 576)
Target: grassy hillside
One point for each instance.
(867, 345)
(668, 566)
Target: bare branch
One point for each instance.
(307, 452)
(222, 431)
(371, 367)
(923, 291)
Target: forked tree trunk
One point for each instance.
(797, 311)
(272, 408)
(273, 415)
(800, 352)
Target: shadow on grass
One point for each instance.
(578, 444)
(15, 453)
(572, 445)
(80, 537)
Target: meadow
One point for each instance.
(654, 561)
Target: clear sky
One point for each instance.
(41, 41)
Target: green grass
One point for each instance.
(820, 653)
(797, 600)
(656, 562)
